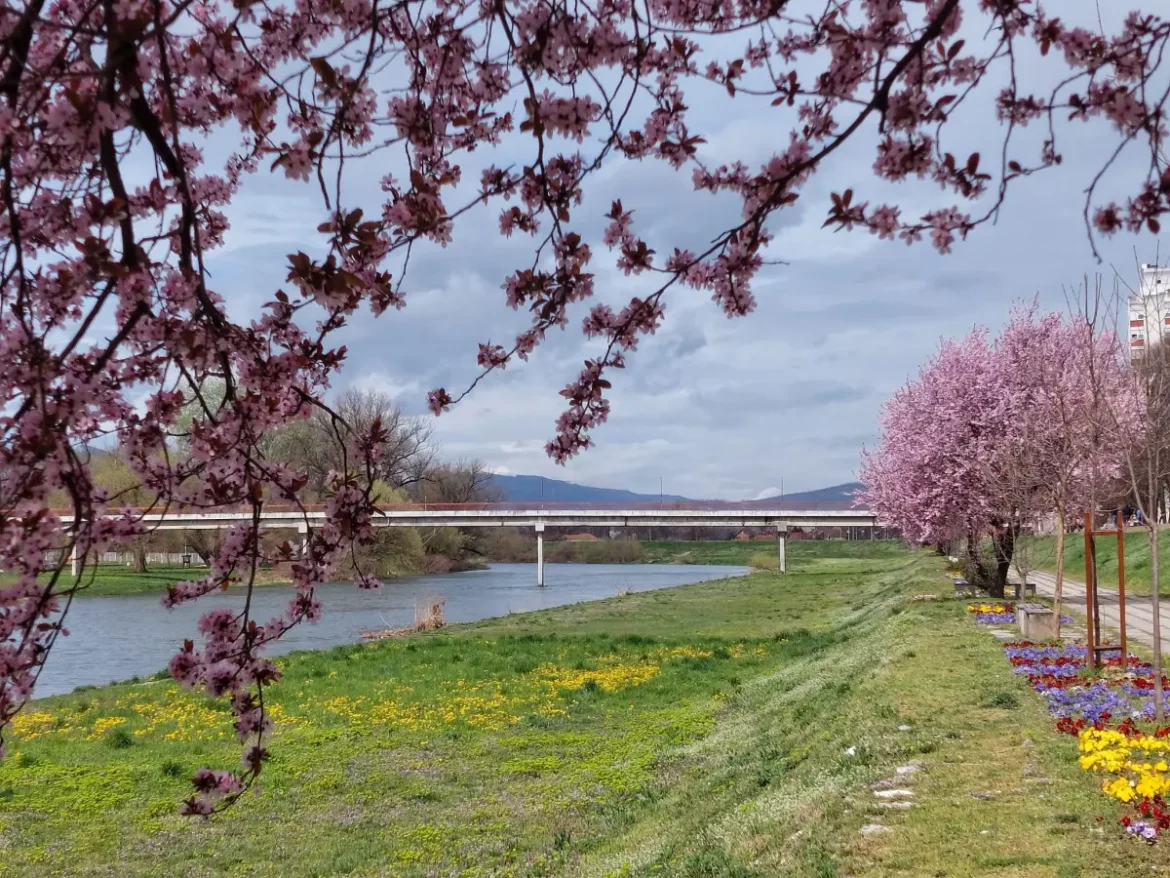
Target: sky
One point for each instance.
(711, 407)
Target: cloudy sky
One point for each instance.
(713, 407)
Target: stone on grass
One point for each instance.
(893, 794)
(904, 728)
(874, 829)
(905, 770)
(897, 806)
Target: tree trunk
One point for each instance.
(1004, 542)
(978, 572)
(139, 552)
(1058, 591)
(1155, 611)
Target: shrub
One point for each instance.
(1003, 699)
(171, 768)
(119, 738)
(765, 561)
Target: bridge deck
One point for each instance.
(531, 515)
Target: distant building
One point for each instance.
(1149, 309)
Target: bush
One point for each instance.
(171, 768)
(119, 738)
(395, 551)
(1005, 700)
(765, 561)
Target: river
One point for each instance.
(116, 638)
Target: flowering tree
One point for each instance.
(936, 473)
(1066, 383)
(113, 196)
(992, 435)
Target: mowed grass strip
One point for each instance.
(697, 732)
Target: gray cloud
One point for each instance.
(714, 407)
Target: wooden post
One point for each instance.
(1121, 588)
(1090, 587)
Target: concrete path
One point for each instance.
(1138, 616)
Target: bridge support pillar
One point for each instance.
(540, 555)
(75, 561)
(781, 547)
(303, 533)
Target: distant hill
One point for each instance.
(834, 494)
(523, 489)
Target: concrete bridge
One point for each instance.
(538, 516)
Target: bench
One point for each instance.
(1037, 622)
(963, 587)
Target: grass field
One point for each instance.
(117, 579)
(697, 732)
(1137, 559)
(809, 554)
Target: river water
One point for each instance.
(115, 638)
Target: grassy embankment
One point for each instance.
(1137, 559)
(118, 579)
(698, 732)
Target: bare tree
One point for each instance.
(323, 443)
(112, 472)
(1137, 419)
(464, 481)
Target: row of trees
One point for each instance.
(1046, 421)
(997, 433)
(405, 467)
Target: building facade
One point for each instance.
(1149, 309)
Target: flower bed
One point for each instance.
(1000, 613)
(1111, 712)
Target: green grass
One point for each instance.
(118, 579)
(697, 732)
(807, 553)
(1137, 559)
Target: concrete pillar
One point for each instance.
(75, 561)
(303, 530)
(540, 555)
(781, 553)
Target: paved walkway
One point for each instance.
(1139, 623)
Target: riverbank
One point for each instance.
(732, 729)
(116, 580)
(107, 580)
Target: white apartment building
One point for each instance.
(1149, 309)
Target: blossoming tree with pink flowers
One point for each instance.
(934, 475)
(114, 188)
(993, 435)
(1076, 413)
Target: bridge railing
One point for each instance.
(509, 506)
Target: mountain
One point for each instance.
(833, 494)
(524, 489)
